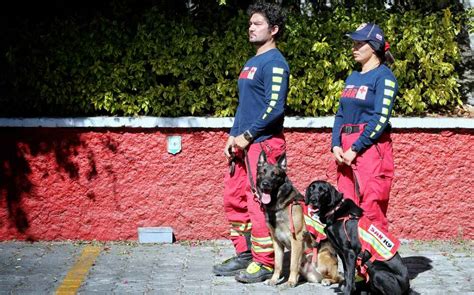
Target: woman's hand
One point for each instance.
(349, 156)
(338, 154)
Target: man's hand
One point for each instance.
(349, 156)
(228, 147)
(338, 154)
(240, 142)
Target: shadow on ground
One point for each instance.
(415, 265)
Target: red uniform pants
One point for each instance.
(369, 179)
(244, 213)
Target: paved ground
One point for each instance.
(186, 268)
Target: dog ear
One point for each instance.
(262, 158)
(282, 161)
(352, 207)
(335, 196)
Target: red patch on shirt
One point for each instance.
(357, 92)
(248, 73)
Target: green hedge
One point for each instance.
(161, 66)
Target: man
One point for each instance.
(258, 124)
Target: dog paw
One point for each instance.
(291, 284)
(271, 282)
(326, 282)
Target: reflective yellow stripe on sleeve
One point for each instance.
(276, 87)
(388, 92)
(389, 83)
(277, 70)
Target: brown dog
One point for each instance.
(283, 206)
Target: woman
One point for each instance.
(361, 141)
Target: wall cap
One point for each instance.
(210, 122)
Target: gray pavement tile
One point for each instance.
(126, 286)
(25, 292)
(229, 291)
(167, 275)
(162, 291)
(130, 268)
(198, 291)
(96, 292)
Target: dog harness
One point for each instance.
(313, 226)
(380, 245)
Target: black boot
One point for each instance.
(254, 273)
(233, 265)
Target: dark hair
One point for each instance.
(382, 51)
(273, 14)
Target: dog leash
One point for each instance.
(253, 188)
(356, 182)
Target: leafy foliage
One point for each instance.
(161, 65)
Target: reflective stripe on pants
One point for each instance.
(241, 208)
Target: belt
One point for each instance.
(350, 129)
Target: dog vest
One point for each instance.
(313, 225)
(381, 245)
(316, 228)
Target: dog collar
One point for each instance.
(333, 211)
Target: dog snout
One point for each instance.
(313, 200)
(265, 184)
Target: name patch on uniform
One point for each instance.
(362, 92)
(358, 92)
(379, 235)
(248, 73)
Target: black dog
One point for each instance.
(342, 218)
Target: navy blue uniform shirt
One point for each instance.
(366, 98)
(263, 89)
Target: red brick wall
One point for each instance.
(102, 184)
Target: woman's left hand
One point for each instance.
(349, 156)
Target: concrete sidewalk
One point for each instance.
(186, 268)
